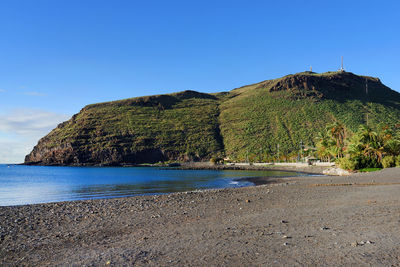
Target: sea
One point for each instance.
(20, 184)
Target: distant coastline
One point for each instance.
(303, 168)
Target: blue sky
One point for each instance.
(58, 56)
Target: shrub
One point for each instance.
(347, 164)
(388, 161)
(397, 161)
(216, 160)
(366, 162)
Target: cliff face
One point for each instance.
(331, 85)
(178, 127)
(247, 122)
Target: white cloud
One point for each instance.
(29, 121)
(14, 152)
(33, 93)
(23, 128)
(2, 91)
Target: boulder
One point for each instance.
(336, 171)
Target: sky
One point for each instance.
(57, 56)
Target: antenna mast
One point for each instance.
(342, 63)
(341, 66)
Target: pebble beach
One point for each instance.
(298, 221)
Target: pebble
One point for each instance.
(134, 207)
(361, 243)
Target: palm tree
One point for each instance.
(325, 145)
(368, 144)
(338, 133)
(391, 141)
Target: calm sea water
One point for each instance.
(40, 184)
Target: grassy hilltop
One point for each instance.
(247, 122)
(295, 108)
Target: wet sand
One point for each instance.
(323, 221)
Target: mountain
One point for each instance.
(246, 123)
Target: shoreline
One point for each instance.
(313, 220)
(253, 180)
(312, 169)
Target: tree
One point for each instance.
(369, 147)
(338, 134)
(324, 144)
(364, 149)
(331, 141)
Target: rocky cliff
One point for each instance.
(245, 123)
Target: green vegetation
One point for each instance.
(182, 126)
(281, 119)
(290, 112)
(388, 162)
(216, 160)
(366, 148)
(369, 169)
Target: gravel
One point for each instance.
(235, 227)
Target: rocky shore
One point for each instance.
(312, 221)
(306, 169)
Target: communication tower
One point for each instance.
(341, 66)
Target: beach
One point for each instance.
(311, 221)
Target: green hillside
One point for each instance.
(295, 108)
(247, 122)
(181, 126)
